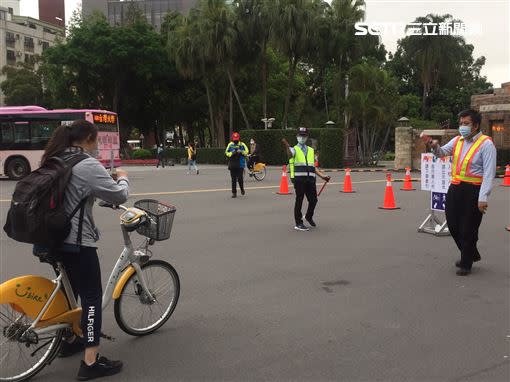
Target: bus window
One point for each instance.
(22, 134)
(7, 136)
(41, 132)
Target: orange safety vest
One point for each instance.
(461, 170)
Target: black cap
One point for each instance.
(302, 131)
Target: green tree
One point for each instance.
(22, 86)
(429, 65)
(373, 104)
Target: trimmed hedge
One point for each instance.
(142, 154)
(329, 143)
(204, 155)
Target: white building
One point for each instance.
(23, 38)
(11, 5)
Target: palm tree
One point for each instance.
(255, 20)
(186, 47)
(220, 38)
(373, 105)
(293, 34)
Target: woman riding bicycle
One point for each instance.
(254, 155)
(89, 180)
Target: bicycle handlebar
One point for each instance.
(104, 204)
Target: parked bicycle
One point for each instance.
(37, 313)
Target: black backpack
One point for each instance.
(37, 215)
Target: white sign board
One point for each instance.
(442, 174)
(435, 173)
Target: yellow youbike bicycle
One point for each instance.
(37, 313)
(258, 172)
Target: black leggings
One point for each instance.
(85, 275)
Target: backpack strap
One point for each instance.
(71, 161)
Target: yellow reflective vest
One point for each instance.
(301, 166)
(461, 169)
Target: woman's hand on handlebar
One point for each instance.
(121, 173)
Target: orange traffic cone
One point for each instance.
(506, 179)
(408, 183)
(389, 199)
(347, 182)
(284, 185)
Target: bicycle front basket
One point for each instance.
(161, 219)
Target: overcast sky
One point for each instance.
(492, 15)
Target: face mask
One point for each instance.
(464, 130)
(252, 142)
(236, 142)
(302, 140)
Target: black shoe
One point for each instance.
(198, 172)
(242, 192)
(234, 195)
(463, 272)
(312, 223)
(101, 368)
(477, 258)
(67, 349)
(458, 262)
(301, 227)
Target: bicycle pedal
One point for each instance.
(107, 337)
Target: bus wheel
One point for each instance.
(17, 168)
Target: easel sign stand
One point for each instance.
(435, 178)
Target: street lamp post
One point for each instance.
(268, 122)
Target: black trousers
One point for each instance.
(464, 218)
(237, 177)
(85, 275)
(308, 188)
(161, 161)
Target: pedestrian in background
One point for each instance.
(236, 153)
(161, 156)
(473, 172)
(192, 158)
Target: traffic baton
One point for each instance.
(322, 188)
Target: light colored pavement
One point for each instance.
(362, 298)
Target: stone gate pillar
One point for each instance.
(403, 147)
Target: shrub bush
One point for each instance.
(329, 144)
(143, 154)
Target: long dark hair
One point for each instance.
(66, 136)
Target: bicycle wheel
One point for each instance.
(135, 313)
(260, 175)
(23, 356)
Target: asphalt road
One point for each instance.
(363, 297)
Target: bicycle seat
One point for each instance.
(48, 257)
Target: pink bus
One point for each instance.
(25, 131)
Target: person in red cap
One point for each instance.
(236, 153)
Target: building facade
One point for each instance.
(53, 12)
(22, 39)
(495, 110)
(90, 6)
(153, 10)
(11, 5)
